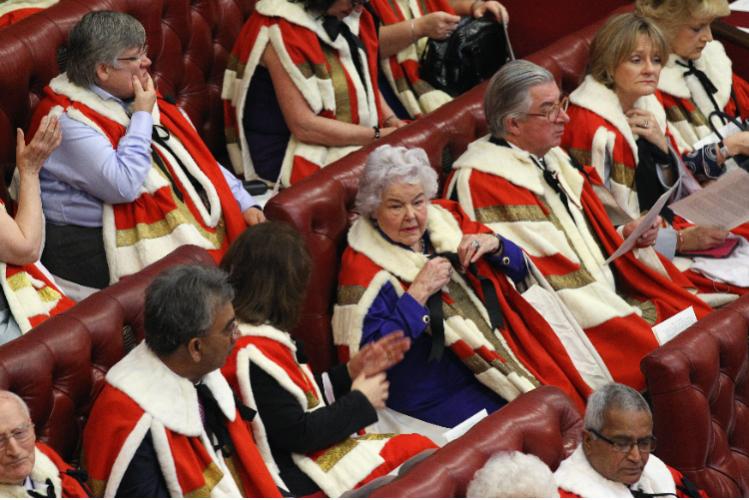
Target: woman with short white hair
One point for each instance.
(425, 268)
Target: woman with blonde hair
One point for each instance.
(618, 125)
(697, 82)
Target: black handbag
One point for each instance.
(474, 52)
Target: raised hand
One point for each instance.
(380, 355)
(31, 157)
(374, 388)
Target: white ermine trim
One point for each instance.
(166, 459)
(13, 5)
(126, 454)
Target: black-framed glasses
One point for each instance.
(356, 3)
(555, 110)
(624, 445)
(141, 55)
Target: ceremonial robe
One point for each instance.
(130, 405)
(615, 304)
(323, 70)
(510, 360)
(185, 199)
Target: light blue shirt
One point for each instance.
(85, 171)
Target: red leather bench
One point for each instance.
(58, 367)
(543, 422)
(699, 390)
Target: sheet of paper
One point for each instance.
(725, 131)
(465, 426)
(722, 204)
(645, 224)
(740, 5)
(673, 326)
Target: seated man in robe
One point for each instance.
(29, 469)
(522, 185)
(132, 179)
(614, 460)
(166, 423)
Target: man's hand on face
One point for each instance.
(145, 96)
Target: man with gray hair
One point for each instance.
(522, 185)
(29, 469)
(132, 179)
(615, 458)
(166, 423)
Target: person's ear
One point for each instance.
(512, 125)
(102, 72)
(195, 349)
(587, 439)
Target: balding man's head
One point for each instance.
(17, 439)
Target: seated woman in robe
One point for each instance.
(301, 88)
(618, 125)
(28, 295)
(305, 421)
(403, 37)
(425, 268)
(697, 79)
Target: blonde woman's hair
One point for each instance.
(617, 39)
(673, 14)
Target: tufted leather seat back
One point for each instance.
(543, 422)
(700, 395)
(320, 207)
(58, 368)
(189, 43)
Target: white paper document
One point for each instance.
(673, 326)
(740, 5)
(722, 204)
(465, 426)
(645, 224)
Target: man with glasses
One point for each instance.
(132, 179)
(523, 186)
(615, 458)
(166, 423)
(29, 469)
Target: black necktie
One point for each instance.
(704, 80)
(50, 491)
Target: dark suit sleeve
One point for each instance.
(291, 429)
(143, 476)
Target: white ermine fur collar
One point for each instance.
(716, 65)
(43, 469)
(444, 232)
(516, 166)
(296, 14)
(601, 100)
(166, 396)
(106, 107)
(576, 475)
(267, 331)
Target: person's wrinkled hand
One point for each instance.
(492, 8)
(253, 215)
(700, 238)
(387, 131)
(647, 238)
(145, 97)
(374, 388)
(473, 246)
(30, 157)
(431, 278)
(437, 25)
(380, 355)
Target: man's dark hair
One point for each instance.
(315, 6)
(181, 304)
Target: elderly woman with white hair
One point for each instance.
(425, 268)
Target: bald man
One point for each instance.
(27, 468)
